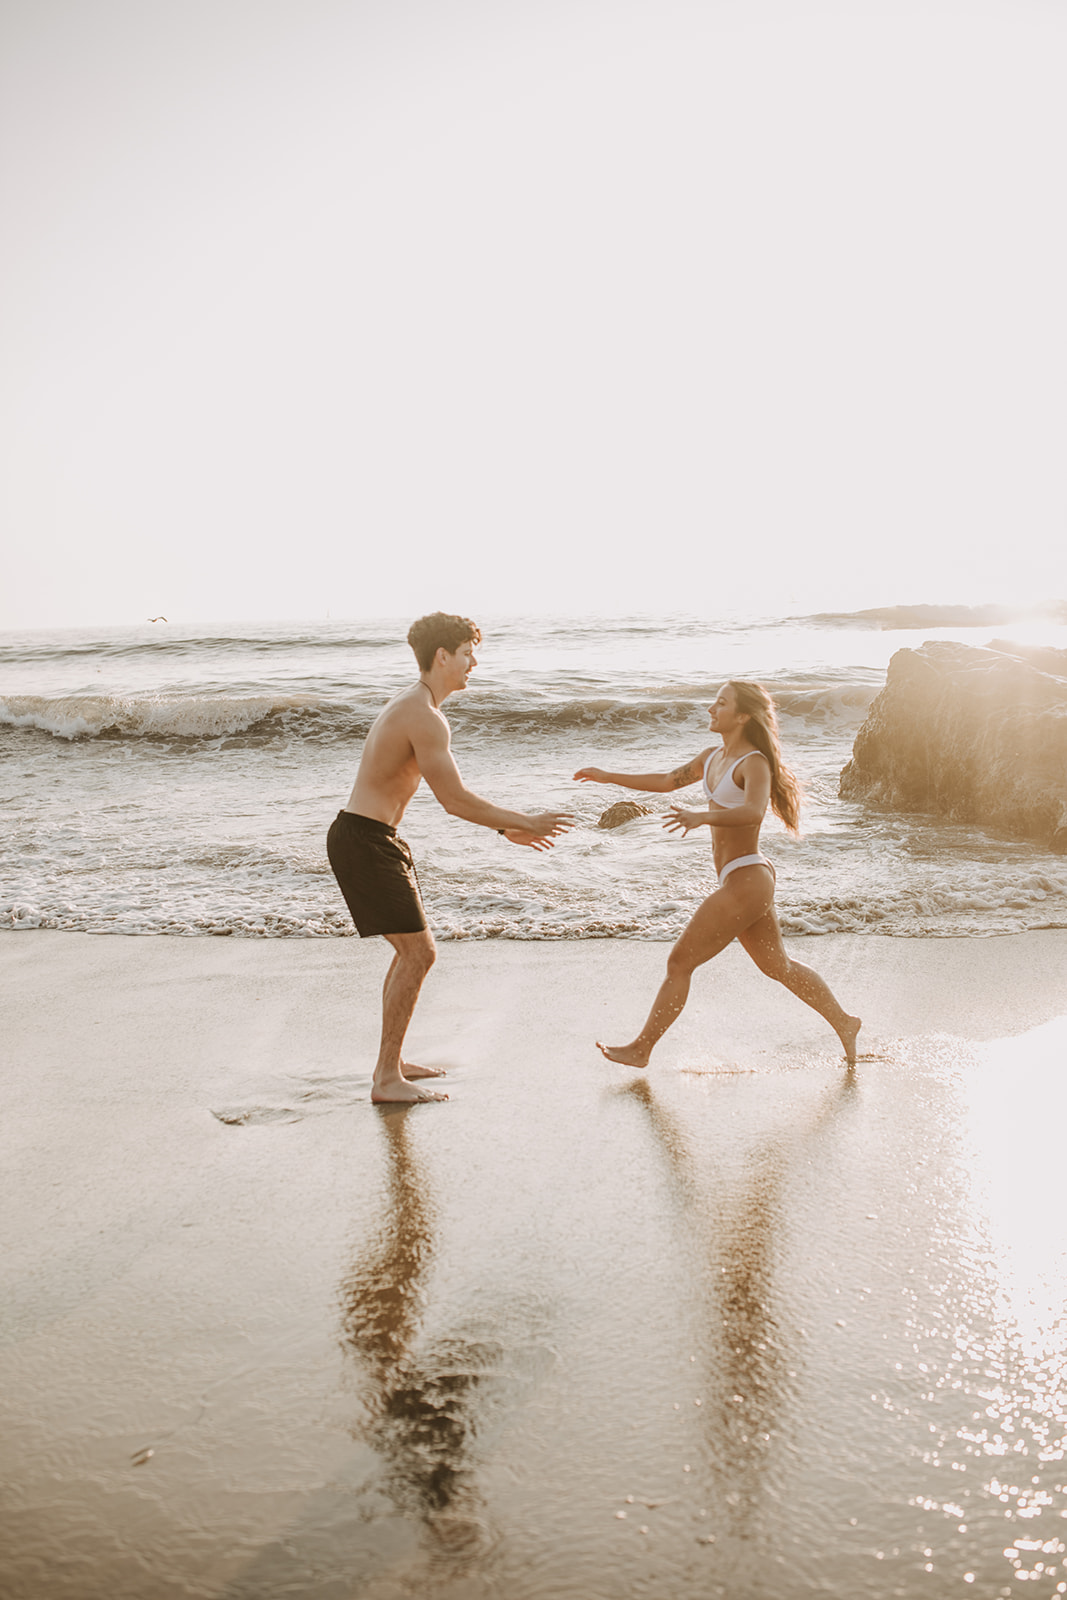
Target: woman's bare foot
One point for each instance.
(627, 1055)
(398, 1091)
(847, 1034)
(411, 1072)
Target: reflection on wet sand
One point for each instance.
(750, 1372)
(418, 1402)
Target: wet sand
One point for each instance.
(748, 1324)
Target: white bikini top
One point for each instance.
(727, 792)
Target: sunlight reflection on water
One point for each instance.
(825, 1341)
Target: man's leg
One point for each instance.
(413, 958)
(407, 1068)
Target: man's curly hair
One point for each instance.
(440, 630)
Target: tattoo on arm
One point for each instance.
(682, 777)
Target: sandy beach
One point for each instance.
(747, 1325)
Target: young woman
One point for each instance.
(741, 777)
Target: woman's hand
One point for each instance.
(591, 775)
(679, 820)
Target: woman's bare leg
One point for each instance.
(763, 942)
(721, 918)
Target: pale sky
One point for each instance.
(319, 306)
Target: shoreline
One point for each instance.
(896, 971)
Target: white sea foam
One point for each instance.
(265, 899)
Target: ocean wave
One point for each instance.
(121, 646)
(262, 717)
(89, 716)
(846, 703)
(184, 642)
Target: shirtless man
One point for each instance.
(408, 741)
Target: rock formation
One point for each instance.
(622, 811)
(1044, 657)
(972, 735)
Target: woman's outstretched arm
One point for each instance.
(650, 782)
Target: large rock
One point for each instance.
(972, 735)
(1043, 657)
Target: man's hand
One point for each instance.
(542, 831)
(534, 840)
(591, 775)
(679, 820)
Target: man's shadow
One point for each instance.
(418, 1402)
(426, 1406)
(750, 1372)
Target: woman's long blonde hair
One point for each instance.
(761, 730)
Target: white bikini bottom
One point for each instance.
(745, 861)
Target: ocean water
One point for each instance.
(163, 779)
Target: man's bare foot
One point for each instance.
(398, 1091)
(411, 1072)
(627, 1055)
(847, 1034)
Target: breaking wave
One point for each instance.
(210, 717)
(90, 716)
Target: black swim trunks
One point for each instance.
(376, 875)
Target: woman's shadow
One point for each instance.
(750, 1376)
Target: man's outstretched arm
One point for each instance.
(437, 764)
